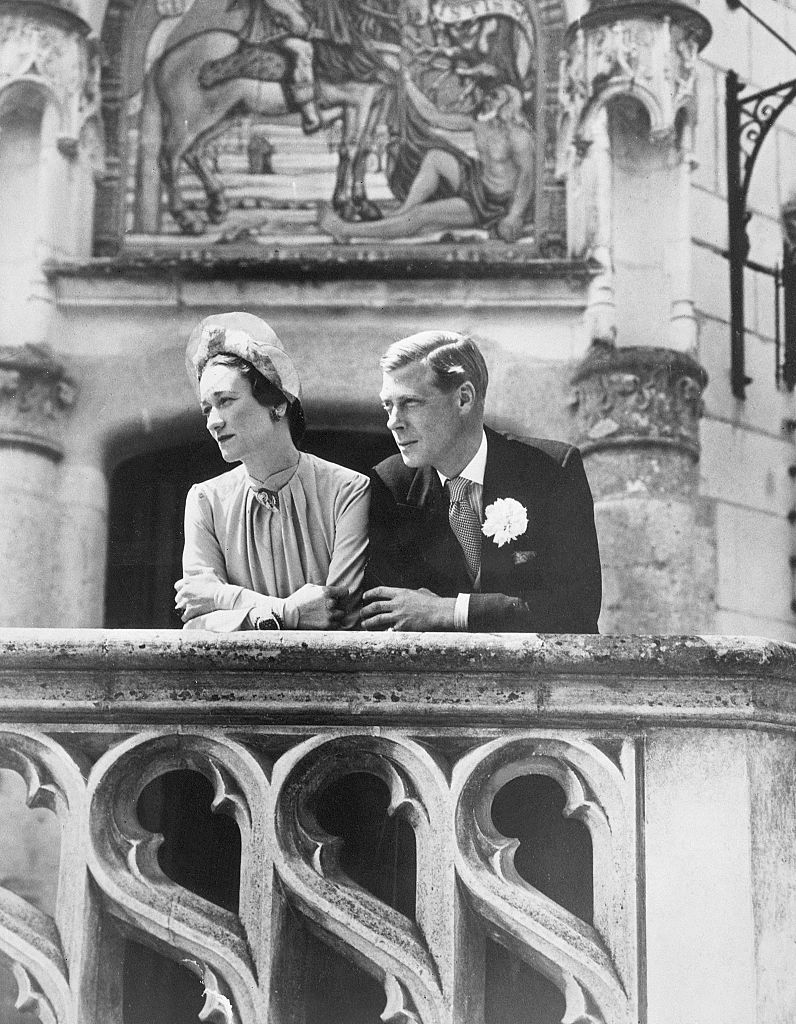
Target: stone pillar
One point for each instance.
(628, 108)
(36, 397)
(50, 156)
(637, 412)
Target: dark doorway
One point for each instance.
(145, 532)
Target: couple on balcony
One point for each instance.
(462, 530)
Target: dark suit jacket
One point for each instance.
(546, 581)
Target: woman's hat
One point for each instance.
(248, 337)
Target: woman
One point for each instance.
(280, 541)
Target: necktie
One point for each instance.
(465, 523)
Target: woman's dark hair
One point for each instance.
(265, 393)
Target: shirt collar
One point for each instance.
(274, 481)
(475, 468)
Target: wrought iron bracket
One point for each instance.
(750, 117)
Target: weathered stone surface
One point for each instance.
(638, 395)
(651, 739)
(36, 396)
(143, 675)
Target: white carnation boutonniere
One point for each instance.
(505, 520)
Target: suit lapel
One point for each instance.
(496, 563)
(437, 547)
(502, 479)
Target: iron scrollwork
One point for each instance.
(749, 120)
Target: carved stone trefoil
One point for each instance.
(647, 51)
(36, 396)
(638, 396)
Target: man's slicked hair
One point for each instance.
(453, 358)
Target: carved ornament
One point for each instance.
(443, 721)
(638, 395)
(292, 875)
(36, 396)
(52, 50)
(644, 51)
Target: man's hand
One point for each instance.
(196, 594)
(318, 607)
(510, 228)
(396, 608)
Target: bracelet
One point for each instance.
(269, 621)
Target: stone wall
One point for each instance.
(746, 452)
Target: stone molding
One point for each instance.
(647, 51)
(36, 396)
(47, 45)
(638, 396)
(322, 263)
(165, 677)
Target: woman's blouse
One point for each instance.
(263, 549)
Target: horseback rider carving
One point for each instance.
(294, 42)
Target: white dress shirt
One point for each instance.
(474, 472)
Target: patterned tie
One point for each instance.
(465, 522)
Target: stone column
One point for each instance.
(36, 397)
(638, 414)
(627, 114)
(50, 156)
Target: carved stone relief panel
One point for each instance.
(280, 124)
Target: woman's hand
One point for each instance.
(318, 607)
(196, 594)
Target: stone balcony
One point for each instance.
(593, 830)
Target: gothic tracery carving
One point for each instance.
(613, 52)
(52, 50)
(48, 954)
(593, 968)
(458, 851)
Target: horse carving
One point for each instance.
(209, 73)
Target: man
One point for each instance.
(468, 530)
(491, 192)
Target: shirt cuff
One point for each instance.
(461, 613)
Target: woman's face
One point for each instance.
(242, 427)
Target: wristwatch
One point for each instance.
(269, 621)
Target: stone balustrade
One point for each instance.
(675, 761)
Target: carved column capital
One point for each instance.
(638, 396)
(644, 50)
(36, 396)
(47, 46)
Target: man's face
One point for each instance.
(427, 423)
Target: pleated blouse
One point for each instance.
(261, 555)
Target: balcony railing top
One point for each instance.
(396, 678)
